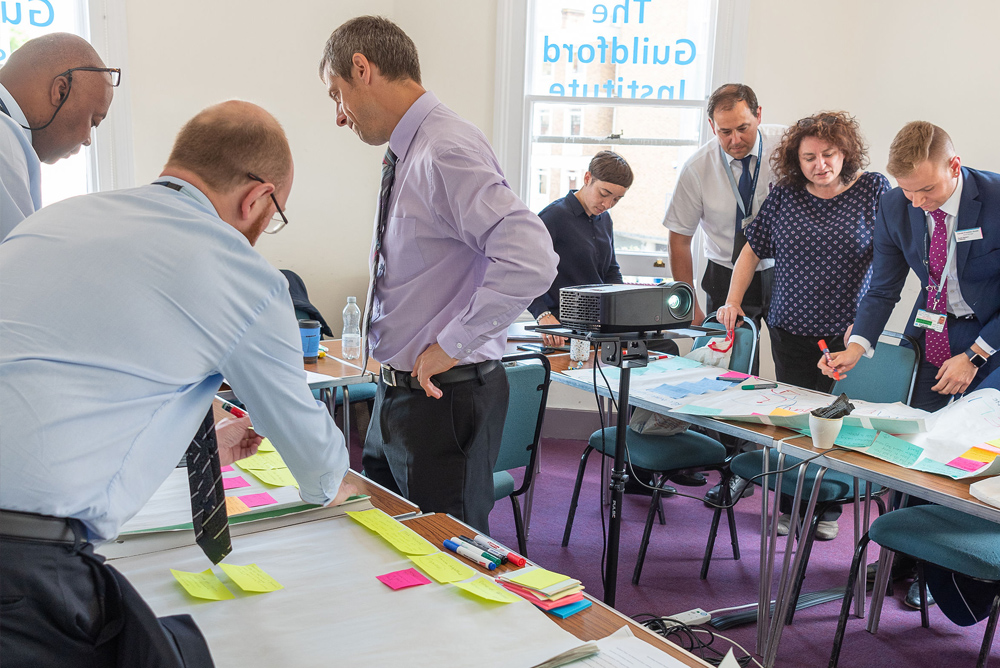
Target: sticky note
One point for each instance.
(489, 590)
(995, 442)
(932, 466)
(691, 409)
(409, 542)
(674, 364)
(254, 500)
(991, 448)
(443, 568)
(262, 460)
(227, 469)
(376, 520)
(895, 450)
(733, 375)
(969, 465)
(409, 577)
(233, 483)
(251, 578)
(204, 585)
(571, 609)
(234, 506)
(671, 391)
(783, 412)
(980, 455)
(265, 446)
(276, 477)
(537, 578)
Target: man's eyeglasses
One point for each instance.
(116, 78)
(278, 220)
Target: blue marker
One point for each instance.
(470, 554)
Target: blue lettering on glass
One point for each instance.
(602, 10)
(678, 54)
(6, 18)
(33, 14)
(613, 52)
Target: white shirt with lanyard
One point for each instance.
(726, 160)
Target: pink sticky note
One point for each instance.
(254, 500)
(232, 483)
(733, 375)
(227, 469)
(966, 464)
(411, 577)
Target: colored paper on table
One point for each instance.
(234, 483)
(489, 590)
(784, 412)
(443, 567)
(850, 437)
(733, 376)
(204, 585)
(675, 364)
(989, 448)
(571, 609)
(995, 442)
(275, 477)
(671, 391)
(376, 520)
(691, 409)
(409, 542)
(970, 465)
(254, 500)
(936, 467)
(227, 469)
(234, 506)
(409, 577)
(980, 455)
(262, 460)
(895, 450)
(266, 446)
(251, 578)
(537, 578)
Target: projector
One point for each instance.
(626, 308)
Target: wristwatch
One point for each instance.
(977, 360)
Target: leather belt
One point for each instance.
(459, 374)
(15, 524)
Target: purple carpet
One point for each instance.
(670, 581)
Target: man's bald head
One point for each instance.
(69, 105)
(226, 141)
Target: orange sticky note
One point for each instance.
(980, 455)
(783, 412)
(234, 506)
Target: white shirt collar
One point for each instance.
(16, 114)
(951, 206)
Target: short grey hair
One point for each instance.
(379, 40)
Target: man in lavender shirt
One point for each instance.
(460, 257)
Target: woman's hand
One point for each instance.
(729, 315)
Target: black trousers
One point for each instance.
(61, 605)
(756, 300)
(440, 453)
(795, 357)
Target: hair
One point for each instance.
(837, 127)
(727, 96)
(611, 167)
(379, 40)
(226, 141)
(916, 143)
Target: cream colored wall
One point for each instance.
(185, 55)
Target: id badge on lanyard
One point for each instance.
(934, 317)
(747, 211)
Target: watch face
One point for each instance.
(976, 359)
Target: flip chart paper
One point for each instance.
(409, 577)
(489, 590)
(251, 578)
(443, 568)
(204, 585)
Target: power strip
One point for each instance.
(690, 618)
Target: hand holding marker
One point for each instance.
(829, 360)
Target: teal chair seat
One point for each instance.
(835, 486)
(503, 485)
(359, 392)
(688, 449)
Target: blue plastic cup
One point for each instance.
(309, 330)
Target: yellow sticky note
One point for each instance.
(203, 585)
(266, 446)
(443, 568)
(538, 578)
(488, 590)
(262, 460)
(980, 455)
(234, 506)
(409, 542)
(251, 578)
(276, 477)
(995, 442)
(783, 411)
(376, 520)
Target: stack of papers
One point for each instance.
(268, 467)
(556, 594)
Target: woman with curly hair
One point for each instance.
(818, 224)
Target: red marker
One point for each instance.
(229, 408)
(829, 360)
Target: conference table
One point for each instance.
(863, 468)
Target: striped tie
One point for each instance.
(208, 498)
(377, 263)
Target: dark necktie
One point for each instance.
(208, 498)
(938, 351)
(746, 194)
(376, 264)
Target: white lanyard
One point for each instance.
(753, 184)
(949, 246)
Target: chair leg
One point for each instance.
(659, 512)
(922, 584)
(880, 502)
(713, 531)
(734, 536)
(522, 542)
(653, 505)
(845, 609)
(576, 495)
(809, 539)
(991, 627)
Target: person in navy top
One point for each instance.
(582, 234)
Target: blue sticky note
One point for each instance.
(931, 466)
(698, 410)
(674, 364)
(895, 450)
(671, 391)
(564, 611)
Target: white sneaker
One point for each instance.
(784, 522)
(827, 530)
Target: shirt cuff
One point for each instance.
(863, 342)
(455, 341)
(985, 346)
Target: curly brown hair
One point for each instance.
(837, 127)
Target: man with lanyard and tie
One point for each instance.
(456, 257)
(950, 238)
(166, 297)
(54, 90)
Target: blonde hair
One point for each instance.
(918, 142)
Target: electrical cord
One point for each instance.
(686, 637)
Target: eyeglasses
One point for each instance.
(278, 220)
(812, 120)
(116, 78)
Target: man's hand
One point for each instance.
(955, 375)
(346, 491)
(236, 438)
(429, 363)
(843, 361)
(550, 339)
(728, 315)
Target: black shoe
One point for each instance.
(633, 486)
(738, 488)
(902, 569)
(913, 596)
(695, 479)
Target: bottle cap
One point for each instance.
(352, 300)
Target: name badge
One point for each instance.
(930, 320)
(969, 235)
(749, 219)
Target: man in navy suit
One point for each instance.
(950, 238)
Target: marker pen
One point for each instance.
(470, 555)
(759, 386)
(513, 557)
(829, 360)
(499, 554)
(478, 550)
(229, 408)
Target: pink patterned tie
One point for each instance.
(936, 343)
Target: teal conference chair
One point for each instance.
(529, 389)
(666, 455)
(949, 539)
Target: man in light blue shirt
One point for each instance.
(120, 314)
(54, 90)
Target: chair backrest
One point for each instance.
(529, 389)
(744, 347)
(888, 376)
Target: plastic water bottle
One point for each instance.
(351, 344)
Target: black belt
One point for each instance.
(459, 374)
(15, 524)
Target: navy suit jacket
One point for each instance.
(900, 245)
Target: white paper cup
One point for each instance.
(579, 350)
(824, 432)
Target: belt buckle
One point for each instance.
(389, 376)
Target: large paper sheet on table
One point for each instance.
(333, 610)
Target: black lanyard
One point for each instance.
(3, 108)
